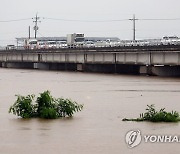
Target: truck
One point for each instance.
(10, 47)
(75, 40)
(31, 44)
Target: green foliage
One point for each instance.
(45, 100)
(157, 116)
(66, 107)
(48, 113)
(45, 106)
(23, 106)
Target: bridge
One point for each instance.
(159, 60)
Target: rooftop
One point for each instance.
(65, 38)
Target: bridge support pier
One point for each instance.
(3, 64)
(41, 66)
(80, 67)
(145, 70)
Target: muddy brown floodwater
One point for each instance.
(99, 128)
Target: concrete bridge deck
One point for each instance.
(153, 61)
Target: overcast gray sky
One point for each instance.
(89, 10)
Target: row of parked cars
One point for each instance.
(34, 44)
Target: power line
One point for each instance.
(40, 34)
(15, 20)
(160, 19)
(116, 20)
(72, 20)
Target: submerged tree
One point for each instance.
(157, 116)
(23, 106)
(45, 106)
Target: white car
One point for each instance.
(52, 44)
(62, 44)
(42, 45)
(89, 44)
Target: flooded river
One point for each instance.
(99, 128)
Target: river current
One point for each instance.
(98, 128)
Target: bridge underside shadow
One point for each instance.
(25, 65)
(101, 68)
(98, 68)
(165, 70)
(111, 68)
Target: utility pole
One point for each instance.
(29, 32)
(36, 20)
(134, 27)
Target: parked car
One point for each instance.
(42, 45)
(89, 44)
(51, 44)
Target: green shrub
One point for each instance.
(48, 113)
(66, 107)
(45, 106)
(157, 116)
(23, 106)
